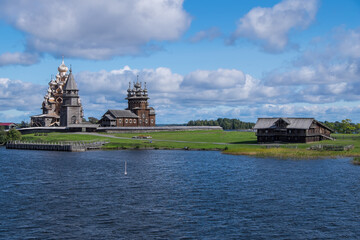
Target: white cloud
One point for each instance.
(221, 78)
(270, 27)
(327, 73)
(201, 94)
(18, 59)
(349, 42)
(96, 30)
(19, 95)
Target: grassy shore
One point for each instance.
(238, 143)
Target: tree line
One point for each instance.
(225, 123)
(345, 126)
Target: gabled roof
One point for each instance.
(108, 116)
(294, 123)
(285, 120)
(122, 113)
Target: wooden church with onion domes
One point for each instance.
(53, 102)
(138, 112)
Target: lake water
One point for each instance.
(175, 195)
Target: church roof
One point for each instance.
(122, 113)
(70, 83)
(46, 115)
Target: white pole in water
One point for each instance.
(125, 169)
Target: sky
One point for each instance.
(200, 59)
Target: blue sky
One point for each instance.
(200, 59)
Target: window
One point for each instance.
(130, 120)
(134, 120)
(126, 121)
(152, 120)
(73, 119)
(143, 115)
(120, 121)
(146, 121)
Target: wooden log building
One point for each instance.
(138, 113)
(299, 130)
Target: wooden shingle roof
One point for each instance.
(293, 123)
(122, 114)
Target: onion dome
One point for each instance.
(63, 68)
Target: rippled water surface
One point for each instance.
(175, 194)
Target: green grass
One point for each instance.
(238, 143)
(60, 137)
(214, 136)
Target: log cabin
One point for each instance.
(291, 130)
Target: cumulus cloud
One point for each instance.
(221, 78)
(18, 59)
(96, 30)
(200, 94)
(203, 90)
(270, 27)
(209, 34)
(19, 95)
(173, 94)
(326, 74)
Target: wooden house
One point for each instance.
(119, 118)
(300, 130)
(7, 125)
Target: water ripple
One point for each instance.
(175, 195)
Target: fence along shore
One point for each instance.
(56, 146)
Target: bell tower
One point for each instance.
(138, 104)
(71, 111)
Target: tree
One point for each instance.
(3, 137)
(347, 126)
(93, 120)
(24, 124)
(225, 123)
(13, 135)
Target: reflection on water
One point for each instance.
(175, 194)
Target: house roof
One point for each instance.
(108, 116)
(294, 123)
(122, 113)
(6, 124)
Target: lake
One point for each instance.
(175, 195)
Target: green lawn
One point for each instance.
(242, 143)
(214, 136)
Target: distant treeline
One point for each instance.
(345, 126)
(225, 123)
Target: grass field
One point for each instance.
(230, 142)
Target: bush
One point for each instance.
(13, 135)
(3, 137)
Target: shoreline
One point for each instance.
(223, 151)
(227, 142)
